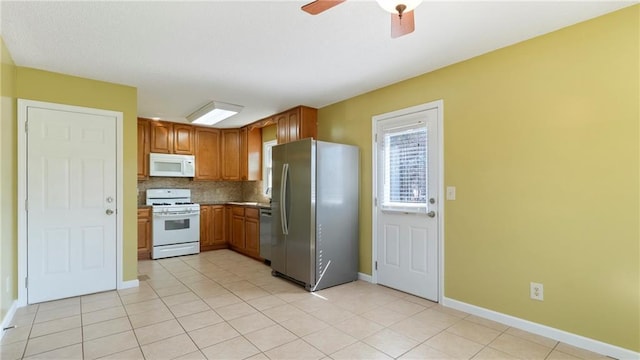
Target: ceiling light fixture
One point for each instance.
(398, 7)
(213, 112)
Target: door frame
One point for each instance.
(439, 105)
(23, 105)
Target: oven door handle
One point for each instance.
(173, 215)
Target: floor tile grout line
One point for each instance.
(81, 330)
(212, 309)
(504, 331)
(28, 340)
(228, 289)
(240, 334)
(131, 324)
(298, 337)
(174, 318)
(225, 320)
(247, 275)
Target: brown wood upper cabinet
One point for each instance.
(251, 154)
(297, 123)
(171, 138)
(143, 149)
(183, 139)
(207, 153)
(231, 154)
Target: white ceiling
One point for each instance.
(265, 55)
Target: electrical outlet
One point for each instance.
(537, 291)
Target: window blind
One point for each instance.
(405, 169)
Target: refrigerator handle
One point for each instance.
(284, 221)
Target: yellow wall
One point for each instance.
(268, 133)
(541, 140)
(8, 181)
(64, 89)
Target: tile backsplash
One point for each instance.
(206, 191)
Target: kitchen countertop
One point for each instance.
(249, 204)
(236, 203)
(213, 203)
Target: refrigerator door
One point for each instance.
(337, 214)
(300, 202)
(293, 204)
(278, 238)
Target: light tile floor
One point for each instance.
(222, 305)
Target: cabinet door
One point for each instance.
(231, 154)
(205, 227)
(144, 234)
(307, 122)
(254, 154)
(237, 232)
(143, 149)
(244, 158)
(294, 125)
(161, 137)
(182, 139)
(228, 216)
(297, 123)
(217, 226)
(282, 133)
(207, 154)
(252, 232)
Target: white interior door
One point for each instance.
(71, 195)
(407, 188)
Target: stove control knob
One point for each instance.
(109, 212)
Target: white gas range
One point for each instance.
(176, 223)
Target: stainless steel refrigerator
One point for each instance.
(315, 213)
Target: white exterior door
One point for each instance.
(71, 202)
(407, 196)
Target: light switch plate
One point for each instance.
(451, 193)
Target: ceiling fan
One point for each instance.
(402, 22)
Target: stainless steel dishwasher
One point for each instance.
(265, 234)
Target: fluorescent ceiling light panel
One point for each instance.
(213, 112)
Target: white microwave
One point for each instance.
(172, 165)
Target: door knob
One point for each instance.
(109, 211)
(431, 214)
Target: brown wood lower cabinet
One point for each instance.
(237, 227)
(245, 230)
(252, 232)
(144, 233)
(212, 229)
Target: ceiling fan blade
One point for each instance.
(402, 26)
(318, 6)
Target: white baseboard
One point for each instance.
(8, 317)
(365, 277)
(543, 330)
(128, 284)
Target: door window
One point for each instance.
(405, 168)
